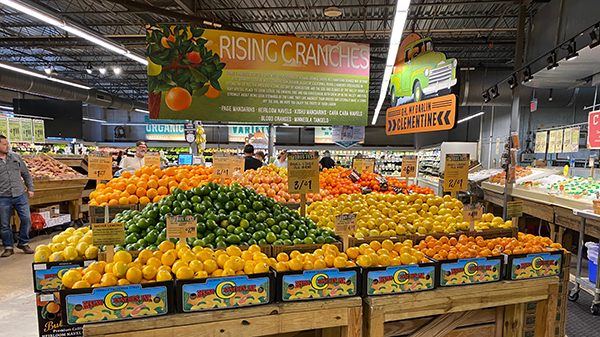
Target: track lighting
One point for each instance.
(572, 51)
(552, 61)
(594, 37)
(117, 70)
(527, 76)
(48, 70)
(486, 96)
(495, 92)
(89, 69)
(102, 70)
(512, 82)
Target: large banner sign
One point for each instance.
(420, 76)
(216, 75)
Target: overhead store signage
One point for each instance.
(567, 139)
(39, 132)
(26, 130)
(258, 136)
(323, 135)
(575, 139)
(594, 130)
(14, 129)
(558, 142)
(165, 132)
(211, 75)
(347, 136)
(431, 115)
(4, 126)
(540, 141)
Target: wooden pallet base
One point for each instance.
(494, 309)
(340, 317)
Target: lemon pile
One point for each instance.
(381, 214)
(328, 256)
(386, 253)
(71, 244)
(170, 260)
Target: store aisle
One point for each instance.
(17, 299)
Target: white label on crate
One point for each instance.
(88, 262)
(39, 267)
(47, 298)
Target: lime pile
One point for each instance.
(226, 215)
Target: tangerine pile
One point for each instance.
(446, 248)
(178, 260)
(333, 185)
(149, 184)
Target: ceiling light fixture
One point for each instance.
(102, 70)
(214, 24)
(470, 117)
(117, 70)
(594, 36)
(6, 107)
(552, 64)
(550, 98)
(512, 82)
(572, 51)
(142, 110)
(93, 120)
(398, 27)
(495, 92)
(89, 69)
(71, 28)
(332, 12)
(38, 75)
(527, 75)
(48, 70)
(486, 96)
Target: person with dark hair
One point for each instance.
(260, 156)
(132, 164)
(251, 163)
(326, 161)
(281, 160)
(13, 194)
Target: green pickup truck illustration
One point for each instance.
(420, 71)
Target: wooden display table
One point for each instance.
(339, 317)
(493, 309)
(55, 191)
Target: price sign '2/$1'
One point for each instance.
(456, 172)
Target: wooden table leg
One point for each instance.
(513, 320)
(545, 313)
(355, 323)
(374, 321)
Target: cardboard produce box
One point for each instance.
(50, 319)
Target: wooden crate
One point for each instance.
(561, 308)
(339, 317)
(97, 212)
(494, 233)
(460, 308)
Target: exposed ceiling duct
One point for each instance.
(32, 85)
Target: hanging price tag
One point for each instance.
(39, 133)
(303, 173)
(181, 227)
(26, 130)
(105, 234)
(456, 172)
(14, 129)
(4, 126)
(152, 159)
(222, 165)
(409, 167)
(99, 166)
(363, 164)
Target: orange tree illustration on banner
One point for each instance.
(180, 67)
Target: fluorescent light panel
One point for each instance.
(395, 37)
(93, 120)
(73, 30)
(38, 75)
(142, 110)
(6, 107)
(470, 117)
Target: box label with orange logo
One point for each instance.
(435, 114)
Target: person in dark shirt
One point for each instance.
(326, 161)
(251, 163)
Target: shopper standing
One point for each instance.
(251, 163)
(260, 156)
(326, 161)
(137, 161)
(281, 160)
(13, 172)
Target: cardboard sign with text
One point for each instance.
(472, 212)
(456, 172)
(434, 114)
(363, 164)
(100, 166)
(514, 209)
(303, 172)
(181, 227)
(409, 167)
(345, 223)
(107, 234)
(222, 166)
(152, 159)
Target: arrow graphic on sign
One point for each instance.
(435, 114)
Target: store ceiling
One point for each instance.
(569, 74)
(479, 33)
